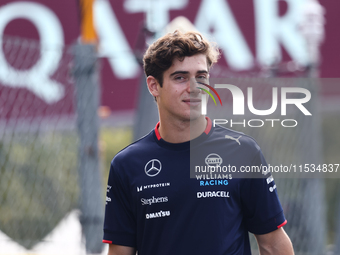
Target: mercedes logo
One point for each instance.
(153, 167)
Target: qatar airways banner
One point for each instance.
(250, 33)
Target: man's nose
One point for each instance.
(193, 86)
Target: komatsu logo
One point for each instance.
(213, 159)
(159, 214)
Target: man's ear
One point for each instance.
(153, 85)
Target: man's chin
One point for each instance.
(194, 115)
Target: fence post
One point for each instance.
(146, 113)
(87, 102)
(337, 236)
(313, 187)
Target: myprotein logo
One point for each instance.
(154, 200)
(153, 186)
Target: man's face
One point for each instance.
(179, 96)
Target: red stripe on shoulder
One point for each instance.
(106, 241)
(281, 225)
(209, 124)
(156, 131)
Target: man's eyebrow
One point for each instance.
(202, 71)
(186, 72)
(179, 72)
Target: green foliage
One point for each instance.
(38, 183)
(112, 140)
(39, 179)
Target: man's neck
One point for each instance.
(181, 131)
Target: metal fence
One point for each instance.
(49, 163)
(48, 140)
(305, 197)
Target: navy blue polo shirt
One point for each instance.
(152, 204)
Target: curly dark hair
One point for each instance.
(159, 56)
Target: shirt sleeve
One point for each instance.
(119, 223)
(260, 202)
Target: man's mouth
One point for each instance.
(192, 101)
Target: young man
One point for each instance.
(153, 206)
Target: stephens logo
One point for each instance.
(154, 200)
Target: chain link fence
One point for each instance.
(47, 95)
(305, 197)
(49, 162)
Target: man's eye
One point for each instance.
(179, 78)
(201, 78)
